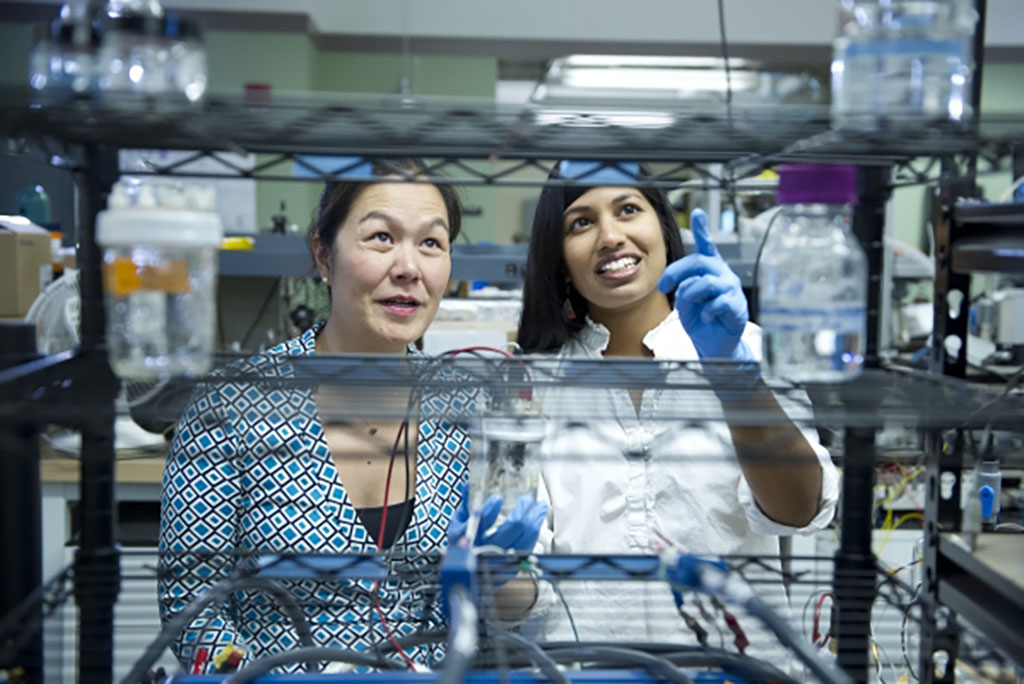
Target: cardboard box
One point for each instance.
(26, 264)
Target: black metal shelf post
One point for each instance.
(21, 505)
(855, 563)
(943, 463)
(97, 566)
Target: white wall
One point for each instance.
(767, 22)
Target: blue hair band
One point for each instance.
(342, 168)
(599, 173)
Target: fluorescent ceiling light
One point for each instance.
(657, 79)
(670, 81)
(601, 119)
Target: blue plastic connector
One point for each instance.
(458, 568)
(686, 570)
(988, 499)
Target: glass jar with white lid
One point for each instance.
(160, 242)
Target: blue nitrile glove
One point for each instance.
(460, 521)
(518, 532)
(713, 311)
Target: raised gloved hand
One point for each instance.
(713, 311)
(518, 532)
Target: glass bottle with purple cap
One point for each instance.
(812, 278)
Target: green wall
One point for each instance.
(15, 45)
(1001, 93)
(365, 72)
(375, 72)
(291, 62)
(284, 61)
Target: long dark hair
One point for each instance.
(544, 325)
(338, 196)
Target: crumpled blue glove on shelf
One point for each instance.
(518, 532)
(713, 311)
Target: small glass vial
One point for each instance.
(160, 244)
(508, 460)
(62, 64)
(133, 57)
(812, 278)
(187, 67)
(900, 63)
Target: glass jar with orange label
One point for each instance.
(160, 243)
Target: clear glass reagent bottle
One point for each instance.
(812, 278)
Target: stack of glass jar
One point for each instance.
(160, 241)
(900, 63)
(131, 46)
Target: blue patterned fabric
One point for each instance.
(250, 472)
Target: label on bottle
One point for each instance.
(918, 48)
(840, 319)
(120, 277)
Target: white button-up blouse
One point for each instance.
(629, 483)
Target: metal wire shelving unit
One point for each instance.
(477, 143)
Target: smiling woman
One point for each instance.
(606, 276)
(574, 220)
(384, 249)
(254, 469)
(615, 253)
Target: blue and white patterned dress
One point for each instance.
(250, 471)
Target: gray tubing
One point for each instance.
(264, 665)
(824, 670)
(538, 657)
(216, 594)
(657, 664)
(681, 655)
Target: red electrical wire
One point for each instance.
(815, 635)
(380, 549)
(384, 512)
(739, 636)
(466, 350)
(387, 486)
(525, 393)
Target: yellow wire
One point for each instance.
(895, 571)
(913, 515)
(894, 493)
(899, 521)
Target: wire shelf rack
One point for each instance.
(885, 590)
(379, 387)
(510, 145)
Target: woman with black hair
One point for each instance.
(259, 467)
(607, 276)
